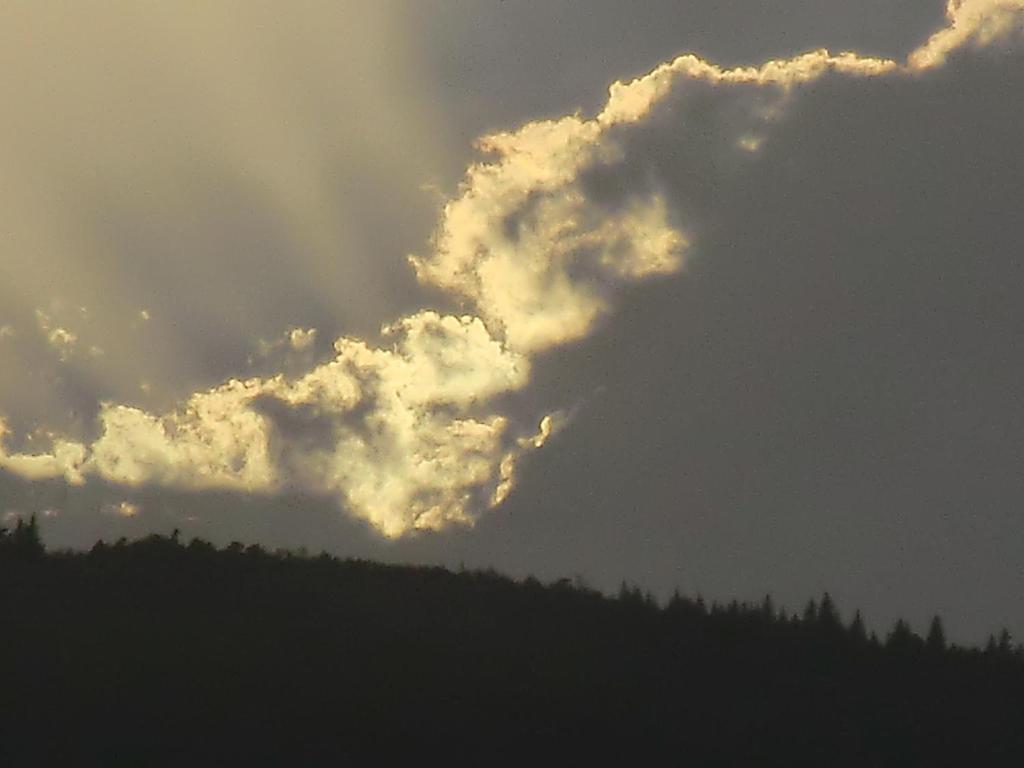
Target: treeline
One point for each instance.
(161, 652)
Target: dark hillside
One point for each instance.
(159, 653)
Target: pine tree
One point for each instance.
(936, 636)
(631, 595)
(857, 629)
(676, 603)
(901, 637)
(1005, 642)
(24, 542)
(828, 616)
(810, 612)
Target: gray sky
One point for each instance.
(762, 322)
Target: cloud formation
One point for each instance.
(402, 435)
(415, 433)
(975, 23)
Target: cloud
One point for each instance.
(166, 165)
(540, 259)
(402, 435)
(409, 439)
(60, 339)
(975, 23)
(293, 352)
(122, 509)
(65, 459)
(543, 236)
(301, 338)
(531, 252)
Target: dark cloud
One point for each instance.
(504, 62)
(829, 397)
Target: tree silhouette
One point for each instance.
(936, 640)
(24, 542)
(810, 615)
(208, 656)
(1005, 646)
(902, 638)
(828, 616)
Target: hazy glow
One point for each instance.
(412, 434)
(190, 162)
(124, 509)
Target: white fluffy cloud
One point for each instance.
(412, 434)
(401, 435)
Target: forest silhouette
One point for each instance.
(159, 652)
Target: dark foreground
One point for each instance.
(159, 653)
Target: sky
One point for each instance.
(716, 296)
